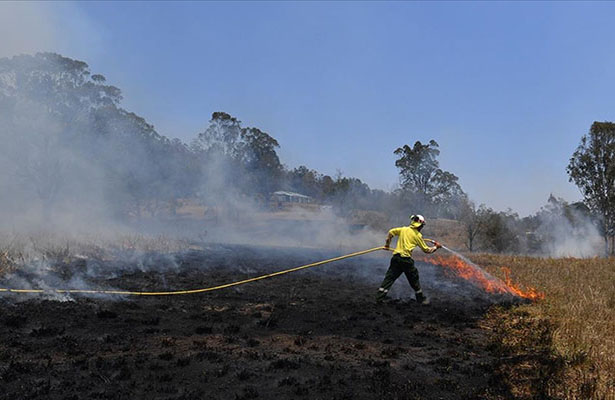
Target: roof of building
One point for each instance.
(291, 194)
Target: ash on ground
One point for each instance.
(314, 334)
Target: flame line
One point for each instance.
(464, 268)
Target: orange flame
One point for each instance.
(531, 293)
(483, 279)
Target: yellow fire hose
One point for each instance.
(193, 291)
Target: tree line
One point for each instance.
(68, 144)
(67, 140)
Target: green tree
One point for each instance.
(257, 154)
(237, 159)
(418, 166)
(592, 169)
(350, 194)
(305, 181)
(422, 179)
(498, 232)
(222, 136)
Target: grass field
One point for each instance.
(564, 345)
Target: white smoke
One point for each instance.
(568, 231)
(25, 27)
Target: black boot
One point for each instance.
(421, 298)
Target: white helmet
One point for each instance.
(417, 220)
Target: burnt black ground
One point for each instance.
(316, 334)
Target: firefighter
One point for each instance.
(409, 238)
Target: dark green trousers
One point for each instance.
(398, 266)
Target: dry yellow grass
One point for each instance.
(447, 231)
(578, 313)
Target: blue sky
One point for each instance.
(507, 89)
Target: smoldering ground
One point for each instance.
(129, 267)
(313, 333)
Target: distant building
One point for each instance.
(291, 197)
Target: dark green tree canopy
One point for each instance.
(592, 169)
(62, 84)
(426, 185)
(222, 136)
(418, 165)
(248, 155)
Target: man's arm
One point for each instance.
(436, 244)
(427, 249)
(387, 243)
(392, 232)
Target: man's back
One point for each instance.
(408, 239)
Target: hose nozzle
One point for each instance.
(435, 242)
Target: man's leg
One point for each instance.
(392, 274)
(412, 274)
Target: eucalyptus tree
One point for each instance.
(592, 169)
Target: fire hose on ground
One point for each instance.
(192, 291)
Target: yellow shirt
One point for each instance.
(409, 238)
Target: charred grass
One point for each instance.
(308, 335)
(17, 250)
(563, 346)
